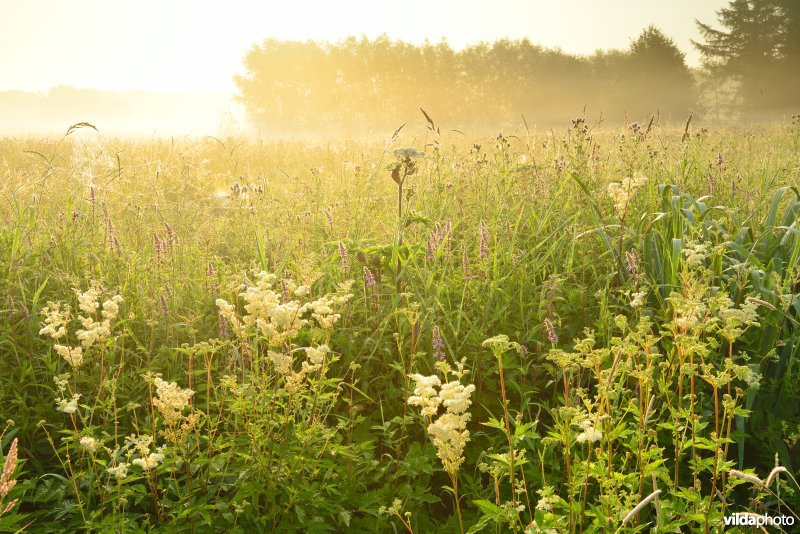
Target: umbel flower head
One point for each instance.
(408, 152)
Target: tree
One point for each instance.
(758, 47)
(657, 68)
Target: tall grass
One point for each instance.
(655, 339)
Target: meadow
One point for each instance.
(588, 329)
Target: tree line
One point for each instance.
(750, 64)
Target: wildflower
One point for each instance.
(87, 301)
(227, 313)
(317, 355)
(590, 434)
(369, 278)
(322, 311)
(119, 471)
(68, 406)
(150, 461)
(89, 443)
(695, 255)
(111, 308)
(551, 331)
(638, 299)
(282, 361)
(171, 400)
(483, 233)
(407, 152)
(465, 262)
(73, 356)
(425, 394)
(92, 331)
(438, 343)
(499, 345)
(632, 261)
(449, 435)
(301, 291)
(546, 499)
(343, 257)
(329, 217)
(622, 193)
(55, 321)
(455, 397)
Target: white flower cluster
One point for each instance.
(148, 459)
(590, 433)
(55, 321)
(73, 356)
(736, 320)
(170, 400)
(94, 330)
(449, 431)
(694, 255)
(277, 317)
(89, 443)
(622, 193)
(63, 403)
(119, 471)
(425, 395)
(68, 406)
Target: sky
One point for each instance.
(198, 46)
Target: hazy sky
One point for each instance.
(182, 45)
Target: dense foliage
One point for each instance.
(586, 330)
(362, 85)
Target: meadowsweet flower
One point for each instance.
(547, 499)
(87, 301)
(55, 322)
(150, 461)
(111, 308)
(227, 312)
(695, 255)
(425, 395)
(68, 406)
(448, 431)
(170, 400)
(92, 331)
(317, 355)
(322, 311)
(89, 443)
(590, 434)
(302, 291)
(449, 435)
(455, 397)
(622, 193)
(119, 471)
(638, 298)
(281, 360)
(73, 356)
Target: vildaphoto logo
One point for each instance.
(745, 519)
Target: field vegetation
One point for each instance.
(591, 329)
